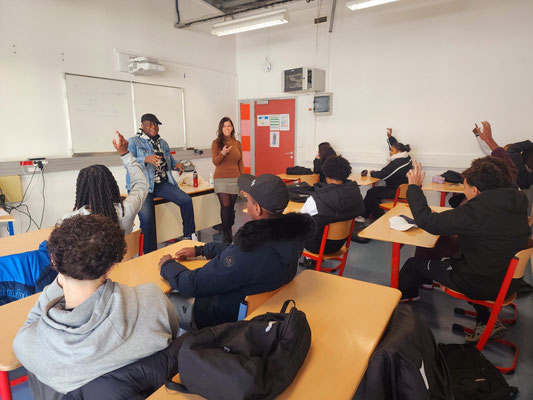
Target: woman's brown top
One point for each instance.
(230, 165)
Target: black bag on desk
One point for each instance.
(452, 176)
(473, 376)
(298, 171)
(255, 359)
(299, 192)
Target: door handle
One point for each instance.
(290, 153)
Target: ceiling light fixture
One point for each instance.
(252, 22)
(358, 4)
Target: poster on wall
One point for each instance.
(262, 120)
(274, 122)
(284, 122)
(274, 139)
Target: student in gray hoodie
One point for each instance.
(83, 324)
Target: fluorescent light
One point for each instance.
(358, 4)
(252, 22)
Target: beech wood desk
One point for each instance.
(344, 333)
(310, 179)
(444, 189)
(133, 272)
(363, 180)
(381, 230)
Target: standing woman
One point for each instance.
(226, 152)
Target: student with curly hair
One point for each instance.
(84, 325)
(491, 227)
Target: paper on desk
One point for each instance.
(398, 223)
(3, 213)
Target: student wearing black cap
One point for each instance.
(264, 257)
(153, 154)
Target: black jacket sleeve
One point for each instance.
(389, 170)
(219, 275)
(213, 249)
(317, 165)
(452, 222)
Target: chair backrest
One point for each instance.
(340, 230)
(132, 244)
(523, 257)
(401, 193)
(23, 242)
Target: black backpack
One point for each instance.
(297, 170)
(255, 359)
(452, 176)
(473, 376)
(299, 192)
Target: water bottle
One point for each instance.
(211, 179)
(195, 179)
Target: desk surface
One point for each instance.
(381, 230)
(311, 179)
(203, 187)
(6, 218)
(363, 180)
(293, 206)
(444, 187)
(345, 331)
(133, 272)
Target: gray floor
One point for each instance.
(371, 262)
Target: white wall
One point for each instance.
(427, 68)
(40, 40)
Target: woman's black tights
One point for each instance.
(227, 210)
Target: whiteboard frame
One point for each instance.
(131, 82)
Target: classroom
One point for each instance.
(450, 78)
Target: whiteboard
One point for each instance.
(97, 107)
(167, 104)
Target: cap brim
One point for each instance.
(245, 182)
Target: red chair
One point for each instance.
(400, 197)
(334, 231)
(515, 270)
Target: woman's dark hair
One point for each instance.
(488, 173)
(337, 167)
(323, 148)
(220, 135)
(97, 189)
(84, 247)
(527, 156)
(401, 147)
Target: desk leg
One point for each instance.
(10, 227)
(442, 199)
(395, 271)
(5, 388)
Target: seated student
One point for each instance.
(324, 152)
(491, 227)
(97, 192)
(393, 174)
(153, 154)
(83, 324)
(522, 155)
(264, 257)
(337, 199)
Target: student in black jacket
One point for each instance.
(324, 152)
(491, 227)
(337, 199)
(264, 258)
(393, 174)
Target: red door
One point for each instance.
(274, 135)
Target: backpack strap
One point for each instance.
(177, 387)
(286, 305)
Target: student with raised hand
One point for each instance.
(393, 174)
(226, 152)
(324, 152)
(491, 227)
(264, 258)
(84, 325)
(97, 190)
(337, 199)
(153, 154)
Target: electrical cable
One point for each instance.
(44, 198)
(178, 11)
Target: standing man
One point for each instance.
(153, 154)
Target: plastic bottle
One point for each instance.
(211, 179)
(195, 179)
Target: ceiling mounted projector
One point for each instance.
(144, 66)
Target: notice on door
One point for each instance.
(274, 122)
(274, 139)
(262, 120)
(284, 122)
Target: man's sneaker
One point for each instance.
(497, 332)
(360, 219)
(427, 285)
(410, 299)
